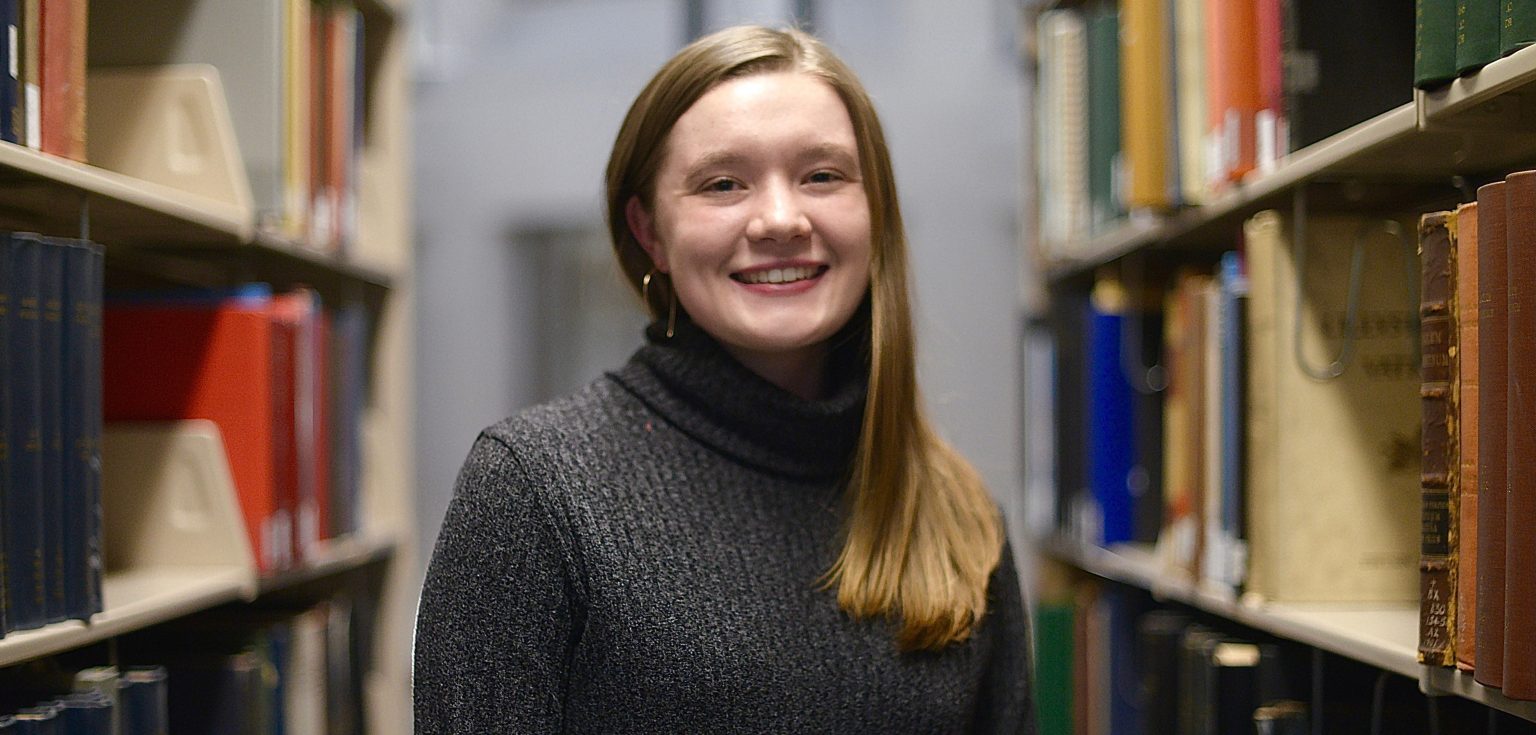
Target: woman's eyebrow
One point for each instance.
(712, 160)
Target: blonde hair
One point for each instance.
(922, 536)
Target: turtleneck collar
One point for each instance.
(701, 389)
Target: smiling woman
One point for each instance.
(751, 527)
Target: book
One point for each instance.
(7, 370)
(1159, 634)
(1231, 395)
(1195, 713)
(86, 713)
(144, 708)
(1053, 667)
(25, 561)
(1477, 34)
(1314, 415)
(81, 420)
(1232, 90)
(1520, 510)
(31, 72)
(1467, 399)
(50, 356)
(1144, 104)
(1103, 19)
(1272, 128)
(1346, 62)
(1492, 429)
(1189, 60)
(1517, 25)
(1234, 685)
(11, 112)
(1111, 415)
(1439, 459)
(1180, 545)
(1434, 42)
(1062, 130)
(1285, 717)
(62, 77)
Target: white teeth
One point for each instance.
(778, 275)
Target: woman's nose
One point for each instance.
(779, 215)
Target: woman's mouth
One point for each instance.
(790, 274)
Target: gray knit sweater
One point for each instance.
(643, 556)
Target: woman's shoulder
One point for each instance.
(567, 435)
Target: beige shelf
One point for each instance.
(49, 192)
(139, 598)
(1383, 636)
(1486, 97)
(1437, 680)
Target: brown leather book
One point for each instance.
(1438, 459)
(1467, 399)
(1519, 542)
(1493, 473)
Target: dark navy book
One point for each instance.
(11, 111)
(51, 400)
(24, 487)
(81, 412)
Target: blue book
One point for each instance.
(1234, 369)
(144, 706)
(5, 412)
(50, 356)
(81, 419)
(24, 563)
(1111, 425)
(11, 110)
(86, 713)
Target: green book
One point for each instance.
(1477, 34)
(1103, 113)
(1053, 668)
(1434, 42)
(1517, 25)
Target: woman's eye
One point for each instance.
(823, 177)
(721, 186)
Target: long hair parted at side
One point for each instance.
(922, 536)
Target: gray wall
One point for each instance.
(517, 104)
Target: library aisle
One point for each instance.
(1281, 349)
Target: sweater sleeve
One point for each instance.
(499, 610)
(1006, 704)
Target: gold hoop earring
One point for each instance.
(645, 295)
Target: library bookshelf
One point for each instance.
(1422, 155)
(157, 234)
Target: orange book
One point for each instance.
(224, 360)
(1466, 532)
(1234, 98)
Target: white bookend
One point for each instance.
(169, 505)
(168, 125)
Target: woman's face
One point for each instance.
(760, 215)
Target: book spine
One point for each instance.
(1439, 462)
(7, 371)
(1103, 113)
(1520, 512)
(82, 356)
(10, 81)
(1434, 42)
(24, 503)
(1477, 34)
(1111, 424)
(1270, 122)
(1517, 25)
(1493, 379)
(51, 400)
(1234, 293)
(1144, 104)
(31, 62)
(1467, 400)
(62, 78)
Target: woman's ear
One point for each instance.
(643, 226)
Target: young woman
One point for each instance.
(751, 527)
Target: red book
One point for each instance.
(62, 33)
(1520, 511)
(1492, 447)
(223, 361)
(1270, 129)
